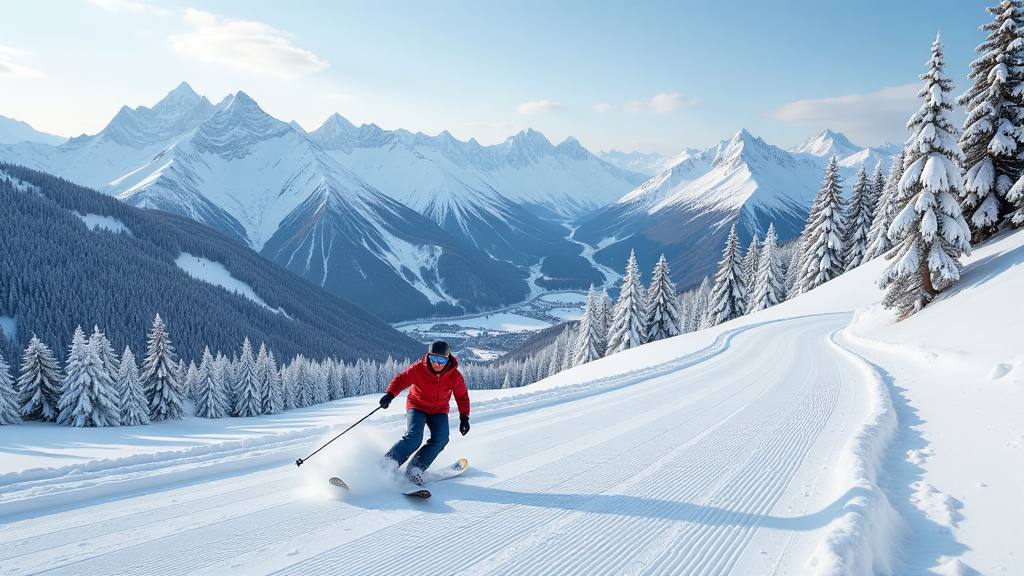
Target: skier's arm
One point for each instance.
(401, 382)
(461, 395)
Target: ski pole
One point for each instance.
(301, 460)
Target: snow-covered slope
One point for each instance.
(787, 442)
(687, 210)
(13, 131)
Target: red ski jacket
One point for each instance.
(432, 391)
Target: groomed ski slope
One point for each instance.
(756, 447)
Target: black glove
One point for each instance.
(464, 424)
(385, 400)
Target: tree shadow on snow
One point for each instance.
(636, 506)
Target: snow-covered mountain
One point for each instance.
(238, 169)
(686, 211)
(497, 198)
(13, 131)
(821, 147)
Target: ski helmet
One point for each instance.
(439, 348)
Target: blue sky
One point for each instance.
(649, 76)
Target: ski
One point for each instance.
(415, 493)
(447, 472)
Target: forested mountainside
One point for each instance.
(56, 273)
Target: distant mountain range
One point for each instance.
(409, 225)
(686, 211)
(404, 224)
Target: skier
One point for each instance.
(433, 380)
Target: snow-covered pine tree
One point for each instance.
(304, 382)
(885, 212)
(8, 400)
(769, 289)
(929, 234)
(750, 259)
(877, 188)
(701, 314)
(275, 392)
(589, 339)
(604, 319)
(89, 397)
(662, 305)
(335, 382)
(858, 221)
(728, 298)
(211, 402)
(134, 410)
(322, 388)
(526, 374)
(262, 375)
(182, 373)
(821, 242)
(39, 384)
(992, 140)
(105, 350)
(160, 376)
(248, 401)
(793, 275)
(628, 317)
(191, 377)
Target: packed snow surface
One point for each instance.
(815, 437)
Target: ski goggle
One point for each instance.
(438, 359)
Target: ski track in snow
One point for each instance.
(719, 464)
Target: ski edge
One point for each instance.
(418, 494)
(338, 482)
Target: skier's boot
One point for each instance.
(414, 475)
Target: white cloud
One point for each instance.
(603, 108)
(253, 47)
(874, 117)
(539, 107)
(10, 69)
(129, 6)
(663, 103)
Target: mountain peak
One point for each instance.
(237, 127)
(571, 147)
(176, 114)
(827, 143)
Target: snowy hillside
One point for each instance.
(815, 437)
